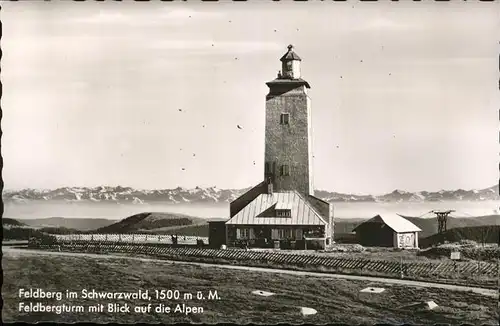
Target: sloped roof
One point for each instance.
(290, 55)
(239, 203)
(284, 205)
(302, 212)
(395, 222)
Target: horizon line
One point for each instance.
(243, 188)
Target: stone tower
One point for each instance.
(288, 153)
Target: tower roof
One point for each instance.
(290, 55)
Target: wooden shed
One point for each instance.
(388, 230)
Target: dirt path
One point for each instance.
(486, 292)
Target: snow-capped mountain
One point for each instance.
(125, 195)
(181, 195)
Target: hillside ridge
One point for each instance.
(149, 222)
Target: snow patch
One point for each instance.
(307, 311)
(430, 305)
(137, 201)
(420, 196)
(194, 191)
(262, 293)
(171, 198)
(427, 305)
(373, 290)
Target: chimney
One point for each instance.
(269, 186)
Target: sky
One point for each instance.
(403, 95)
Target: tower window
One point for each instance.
(285, 118)
(285, 170)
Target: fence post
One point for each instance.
(401, 267)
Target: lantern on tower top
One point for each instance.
(290, 64)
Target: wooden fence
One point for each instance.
(130, 238)
(479, 273)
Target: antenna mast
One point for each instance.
(442, 217)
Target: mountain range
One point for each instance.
(178, 195)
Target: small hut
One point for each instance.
(388, 230)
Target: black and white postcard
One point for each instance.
(264, 162)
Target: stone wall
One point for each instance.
(289, 144)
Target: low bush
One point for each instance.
(468, 243)
(346, 248)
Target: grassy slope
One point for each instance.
(336, 300)
(480, 234)
(151, 222)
